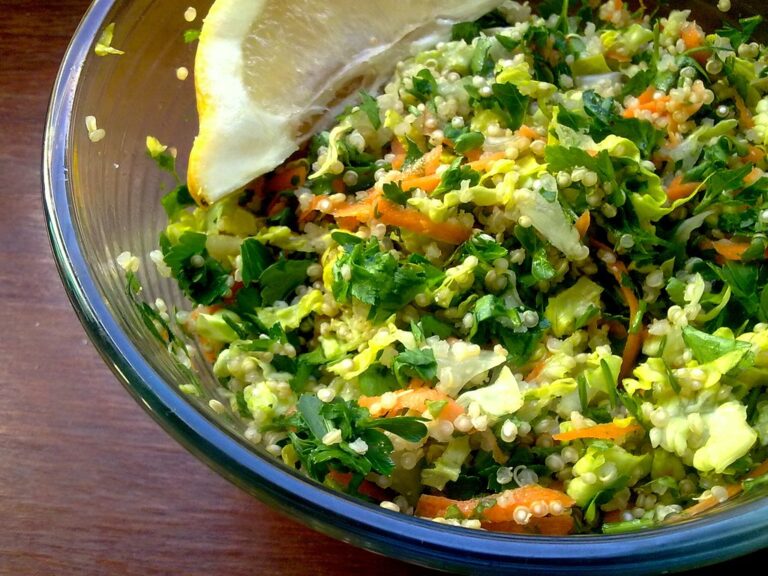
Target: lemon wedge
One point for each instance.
(267, 73)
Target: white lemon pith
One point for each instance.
(268, 71)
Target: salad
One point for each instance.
(522, 289)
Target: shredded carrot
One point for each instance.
(754, 175)
(536, 369)
(755, 155)
(289, 177)
(608, 431)
(473, 155)
(745, 116)
(634, 340)
(618, 5)
(486, 160)
(728, 249)
(583, 222)
(617, 56)
(399, 151)
(427, 183)
(413, 399)
(528, 132)
(693, 37)
(678, 189)
(413, 220)
(499, 508)
(648, 101)
(647, 95)
(366, 488)
(731, 490)
(431, 160)
(391, 214)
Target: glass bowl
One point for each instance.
(102, 198)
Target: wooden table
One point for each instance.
(89, 484)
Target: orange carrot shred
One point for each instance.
(583, 222)
(607, 431)
(678, 189)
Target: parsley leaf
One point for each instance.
(638, 83)
(481, 62)
(562, 158)
(199, 276)
(315, 419)
(485, 248)
(466, 31)
(541, 268)
(431, 326)
(468, 141)
(412, 153)
(394, 192)
(256, 258)
(738, 35)
(419, 364)
(377, 380)
(408, 428)
(282, 278)
(424, 85)
(607, 121)
(369, 105)
(708, 347)
(511, 103)
(177, 200)
(454, 176)
(377, 278)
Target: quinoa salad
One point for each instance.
(522, 289)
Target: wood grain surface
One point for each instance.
(89, 484)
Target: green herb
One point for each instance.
(282, 278)
(190, 35)
(369, 105)
(176, 201)
(394, 193)
(561, 158)
(419, 364)
(424, 85)
(511, 104)
(484, 248)
(638, 83)
(468, 141)
(541, 268)
(465, 31)
(628, 526)
(738, 35)
(412, 154)
(199, 276)
(607, 121)
(481, 62)
(454, 176)
(377, 278)
(315, 419)
(306, 365)
(581, 383)
(377, 380)
(431, 326)
(708, 347)
(256, 258)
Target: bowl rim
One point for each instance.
(691, 544)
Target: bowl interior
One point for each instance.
(109, 202)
